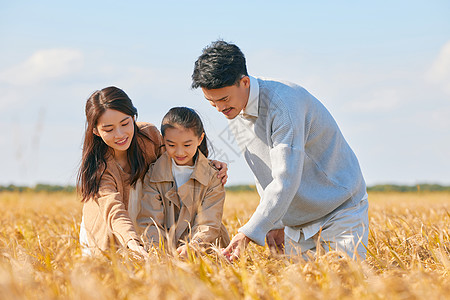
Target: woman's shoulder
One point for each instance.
(149, 130)
(111, 179)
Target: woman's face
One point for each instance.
(181, 145)
(116, 129)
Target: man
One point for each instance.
(309, 180)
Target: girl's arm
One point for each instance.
(150, 218)
(207, 223)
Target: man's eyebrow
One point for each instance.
(223, 98)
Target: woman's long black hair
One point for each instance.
(95, 151)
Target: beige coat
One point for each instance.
(106, 217)
(192, 212)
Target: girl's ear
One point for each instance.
(200, 140)
(95, 131)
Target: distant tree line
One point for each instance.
(235, 188)
(426, 187)
(38, 188)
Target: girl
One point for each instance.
(116, 154)
(182, 197)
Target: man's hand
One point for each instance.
(275, 240)
(236, 246)
(223, 168)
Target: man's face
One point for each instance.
(230, 100)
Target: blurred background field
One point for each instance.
(409, 257)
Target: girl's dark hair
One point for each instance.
(187, 118)
(221, 64)
(95, 151)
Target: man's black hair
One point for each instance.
(221, 64)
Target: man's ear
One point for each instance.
(245, 81)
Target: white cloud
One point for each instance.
(42, 66)
(439, 71)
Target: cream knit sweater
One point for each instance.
(304, 168)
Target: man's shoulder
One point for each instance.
(281, 94)
(273, 83)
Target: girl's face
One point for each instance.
(181, 144)
(116, 129)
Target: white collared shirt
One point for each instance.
(309, 231)
(251, 109)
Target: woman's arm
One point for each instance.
(113, 212)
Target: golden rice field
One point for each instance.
(409, 257)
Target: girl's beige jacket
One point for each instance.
(191, 212)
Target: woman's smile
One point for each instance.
(122, 141)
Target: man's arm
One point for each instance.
(287, 160)
(287, 157)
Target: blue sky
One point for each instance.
(382, 68)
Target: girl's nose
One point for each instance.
(179, 151)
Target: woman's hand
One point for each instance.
(136, 247)
(223, 168)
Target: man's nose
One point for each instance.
(219, 106)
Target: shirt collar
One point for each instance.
(251, 109)
(162, 169)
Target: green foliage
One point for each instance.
(241, 188)
(49, 188)
(14, 188)
(408, 188)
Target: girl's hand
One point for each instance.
(136, 247)
(182, 251)
(223, 168)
